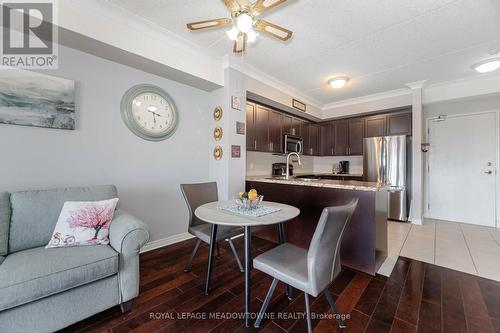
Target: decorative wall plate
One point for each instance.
(218, 152)
(218, 133)
(149, 112)
(218, 113)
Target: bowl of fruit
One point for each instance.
(249, 200)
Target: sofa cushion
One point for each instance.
(35, 213)
(4, 222)
(32, 274)
(1, 260)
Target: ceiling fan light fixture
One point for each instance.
(233, 33)
(487, 66)
(252, 36)
(338, 82)
(244, 22)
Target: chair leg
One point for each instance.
(308, 313)
(213, 241)
(218, 252)
(263, 309)
(188, 265)
(235, 254)
(334, 308)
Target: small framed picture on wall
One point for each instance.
(240, 128)
(299, 105)
(235, 151)
(236, 103)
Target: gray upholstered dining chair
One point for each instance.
(313, 270)
(195, 196)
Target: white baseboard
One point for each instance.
(166, 241)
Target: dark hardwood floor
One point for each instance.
(418, 297)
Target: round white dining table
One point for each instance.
(214, 214)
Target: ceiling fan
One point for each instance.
(244, 21)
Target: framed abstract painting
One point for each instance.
(33, 99)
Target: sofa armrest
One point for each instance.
(127, 235)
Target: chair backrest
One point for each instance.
(35, 213)
(197, 195)
(323, 262)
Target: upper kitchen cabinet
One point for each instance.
(262, 129)
(287, 124)
(348, 137)
(375, 126)
(250, 128)
(275, 132)
(314, 132)
(341, 137)
(399, 123)
(327, 139)
(356, 135)
(296, 129)
(310, 135)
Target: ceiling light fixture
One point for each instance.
(252, 36)
(244, 22)
(233, 33)
(338, 82)
(487, 66)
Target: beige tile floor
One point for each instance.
(463, 247)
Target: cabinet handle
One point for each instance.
(333, 150)
(255, 144)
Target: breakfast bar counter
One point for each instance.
(364, 245)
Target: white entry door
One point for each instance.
(463, 168)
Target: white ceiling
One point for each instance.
(380, 44)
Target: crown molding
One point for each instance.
(257, 74)
(367, 99)
(416, 85)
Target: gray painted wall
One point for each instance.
(102, 150)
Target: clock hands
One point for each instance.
(152, 110)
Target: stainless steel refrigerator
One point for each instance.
(386, 160)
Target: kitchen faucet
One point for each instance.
(287, 175)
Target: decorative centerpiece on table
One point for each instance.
(249, 200)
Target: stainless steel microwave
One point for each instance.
(293, 144)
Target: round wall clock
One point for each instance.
(149, 112)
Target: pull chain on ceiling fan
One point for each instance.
(244, 21)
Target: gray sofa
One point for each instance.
(43, 290)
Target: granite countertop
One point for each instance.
(331, 174)
(327, 183)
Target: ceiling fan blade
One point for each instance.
(240, 43)
(232, 5)
(273, 30)
(209, 24)
(261, 6)
(244, 3)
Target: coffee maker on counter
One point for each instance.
(279, 169)
(343, 167)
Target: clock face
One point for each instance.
(149, 112)
(152, 112)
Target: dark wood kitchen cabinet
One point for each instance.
(262, 128)
(356, 135)
(314, 132)
(287, 124)
(266, 128)
(275, 132)
(375, 126)
(399, 123)
(327, 142)
(310, 136)
(250, 127)
(296, 129)
(341, 138)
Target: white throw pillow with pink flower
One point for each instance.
(83, 223)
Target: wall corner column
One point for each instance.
(417, 190)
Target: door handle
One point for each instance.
(489, 172)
